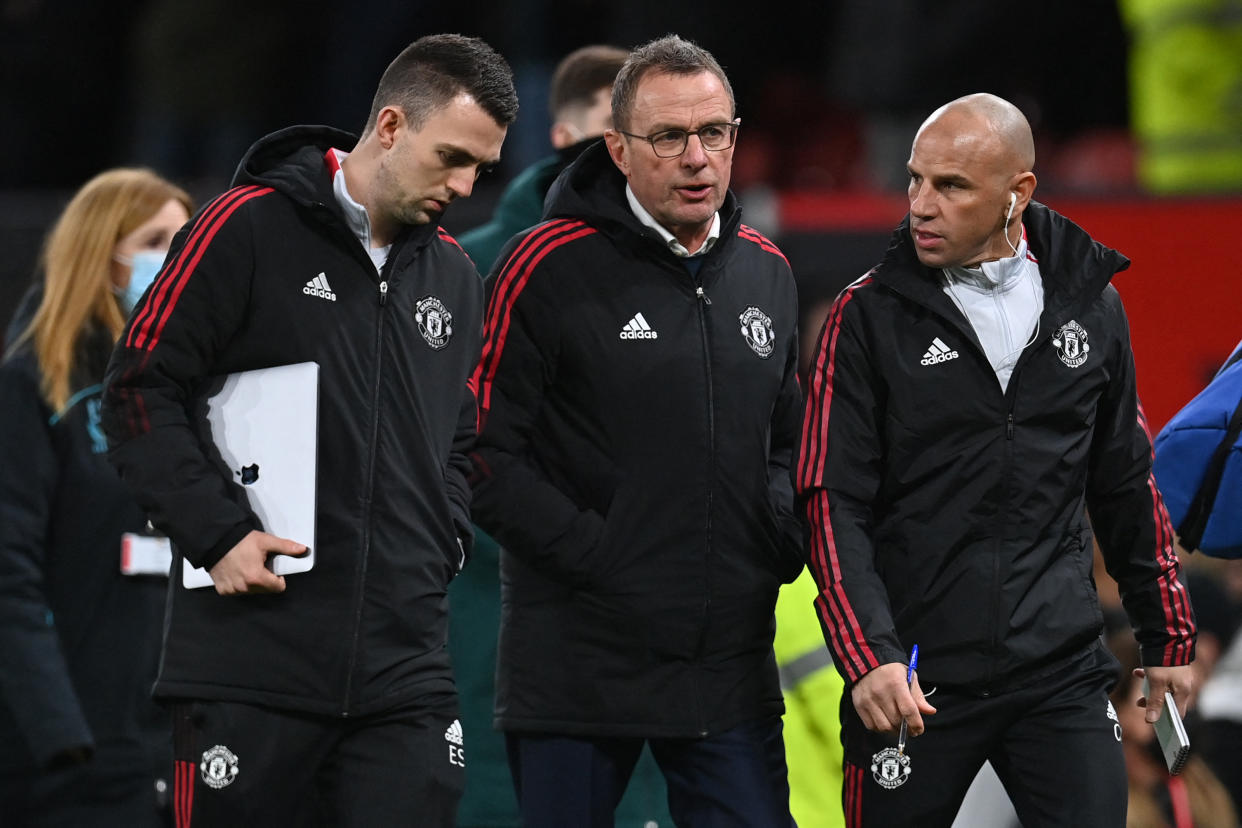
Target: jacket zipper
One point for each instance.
(967, 329)
(1011, 401)
(703, 303)
(1002, 522)
(366, 502)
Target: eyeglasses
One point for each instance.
(670, 143)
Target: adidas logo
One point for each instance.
(319, 287)
(637, 328)
(453, 734)
(938, 352)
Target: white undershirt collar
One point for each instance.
(677, 248)
(1002, 301)
(355, 214)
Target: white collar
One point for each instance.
(356, 215)
(1004, 273)
(677, 248)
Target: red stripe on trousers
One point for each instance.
(183, 793)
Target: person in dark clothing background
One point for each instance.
(580, 101)
(327, 699)
(81, 741)
(638, 410)
(971, 399)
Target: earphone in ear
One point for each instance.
(1013, 202)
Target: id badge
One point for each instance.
(145, 555)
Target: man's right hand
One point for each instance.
(882, 700)
(243, 570)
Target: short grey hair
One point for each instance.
(671, 55)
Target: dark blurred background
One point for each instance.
(185, 86)
(829, 93)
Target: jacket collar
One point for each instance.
(296, 162)
(1074, 268)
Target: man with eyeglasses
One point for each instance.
(639, 407)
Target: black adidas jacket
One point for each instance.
(637, 429)
(270, 274)
(947, 513)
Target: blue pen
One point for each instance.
(914, 665)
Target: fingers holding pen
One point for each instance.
(883, 699)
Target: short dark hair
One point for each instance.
(581, 74)
(669, 55)
(433, 70)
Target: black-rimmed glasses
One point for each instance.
(670, 143)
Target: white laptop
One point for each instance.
(264, 424)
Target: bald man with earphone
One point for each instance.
(971, 399)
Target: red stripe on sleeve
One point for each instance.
(517, 259)
(513, 278)
(819, 394)
(1179, 621)
(753, 235)
(444, 235)
(504, 282)
(452, 241)
(185, 268)
(146, 313)
(840, 617)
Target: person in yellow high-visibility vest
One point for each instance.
(812, 688)
(1186, 93)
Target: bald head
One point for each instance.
(991, 120)
(970, 181)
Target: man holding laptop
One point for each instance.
(328, 697)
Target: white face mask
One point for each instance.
(144, 266)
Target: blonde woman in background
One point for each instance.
(81, 742)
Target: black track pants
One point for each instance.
(1056, 746)
(239, 764)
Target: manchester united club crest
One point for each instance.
(890, 769)
(435, 322)
(219, 767)
(1071, 344)
(757, 329)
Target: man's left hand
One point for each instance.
(1180, 681)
